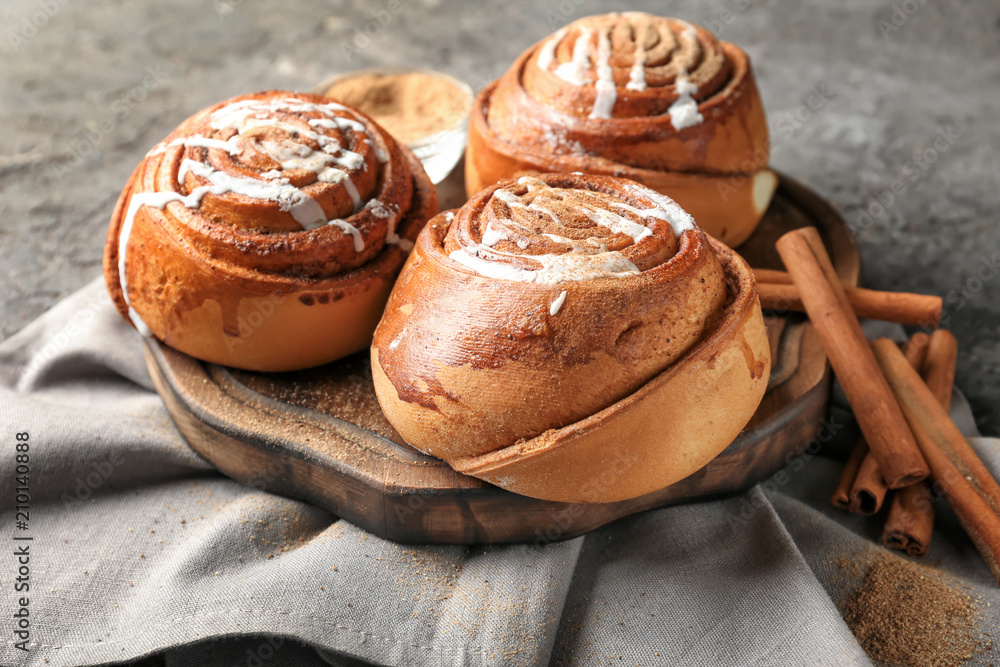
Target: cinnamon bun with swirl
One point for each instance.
(564, 328)
(653, 99)
(266, 232)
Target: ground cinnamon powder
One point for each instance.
(905, 614)
(409, 105)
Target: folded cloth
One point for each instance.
(139, 547)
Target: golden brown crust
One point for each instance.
(236, 279)
(483, 371)
(531, 121)
(668, 429)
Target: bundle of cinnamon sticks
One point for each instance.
(901, 400)
(861, 488)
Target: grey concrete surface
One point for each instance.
(857, 93)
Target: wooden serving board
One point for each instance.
(320, 436)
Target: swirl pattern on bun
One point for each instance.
(546, 301)
(654, 99)
(265, 232)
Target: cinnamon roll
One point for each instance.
(565, 328)
(266, 232)
(653, 99)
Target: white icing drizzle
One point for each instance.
(493, 236)
(241, 116)
(380, 210)
(619, 224)
(556, 268)
(231, 146)
(547, 54)
(306, 210)
(380, 153)
(233, 114)
(665, 209)
(395, 341)
(541, 209)
(684, 111)
(338, 123)
(394, 239)
(359, 243)
(163, 146)
(637, 75)
(575, 71)
(586, 246)
(508, 197)
(352, 192)
(558, 303)
(588, 259)
(158, 200)
(607, 92)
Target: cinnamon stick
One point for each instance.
(915, 351)
(911, 514)
(957, 470)
(869, 489)
(900, 307)
(842, 494)
(939, 367)
(911, 520)
(867, 391)
(772, 277)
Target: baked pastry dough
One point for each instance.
(266, 232)
(653, 99)
(571, 337)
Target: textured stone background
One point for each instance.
(88, 87)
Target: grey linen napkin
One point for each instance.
(139, 547)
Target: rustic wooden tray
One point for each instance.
(319, 434)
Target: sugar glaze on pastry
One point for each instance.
(587, 258)
(559, 322)
(633, 95)
(331, 162)
(269, 215)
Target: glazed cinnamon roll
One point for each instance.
(564, 325)
(266, 231)
(653, 99)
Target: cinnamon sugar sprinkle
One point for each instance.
(410, 105)
(906, 614)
